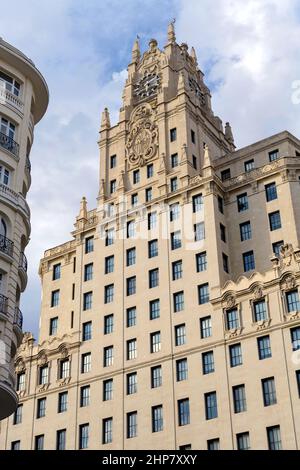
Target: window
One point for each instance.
(131, 383)
(113, 186)
(275, 220)
(8, 128)
(239, 398)
(260, 310)
(148, 194)
(85, 396)
(153, 278)
(152, 219)
(150, 170)
(87, 300)
(43, 375)
(276, 247)
(197, 203)
(173, 184)
(208, 364)
(174, 160)
(242, 202)
(193, 136)
(64, 368)
(213, 444)
(225, 263)
(62, 402)
(292, 301)
(107, 431)
(131, 349)
(243, 441)
(225, 174)
(221, 204)
(174, 211)
(110, 209)
(109, 236)
(274, 155)
(185, 447)
(180, 335)
(269, 391)
(155, 344)
(211, 407)
(16, 445)
(131, 316)
(205, 327)
(136, 176)
(178, 301)
(61, 437)
(295, 337)
(73, 291)
(152, 248)
(130, 256)
(181, 370)
(232, 319)
(245, 231)
(203, 294)
(39, 442)
(54, 298)
(83, 436)
(201, 262)
(248, 261)
(199, 230)
(156, 377)
(88, 272)
(173, 134)
(154, 307)
(53, 326)
(86, 363)
(109, 264)
(298, 381)
(274, 438)
(18, 415)
(107, 389)
(87, 331)
(183, 412)
(249, 165)
(131, 285)
(177, 270)
(131, 424)
(235, 354)
(56, 271)
(108, 356)
(176, 240)
(4, 175)
(223, 233)
(157, 418)
(113, 161)
(131, 229)
(264, 347)
(194, 162)
(108, 324)
(108, 294)
(10, 84)
(89, 244)
(271, 192)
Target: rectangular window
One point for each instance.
(39, 442)
(177, 270)
(201, 262)
(150, 170)
(53, 326)
(152, 248)
(131, 229)
(249, 165)
(131, 349)
(295, 337)
(113, 161)
(183, 412)
(235, 354)
(174, 160)
(298, 381)
(152, 220)
(275, 221)
(260, 310)
(109, 264)
(56, 271)
(155, 344)
(232, 319)
(134, 200)
(113, 186)
(264, 347)
(15, 445)
(87, 331)
(131, 383)
(157, 418)
(205, 327)
(18, 415)
(64, 368)
(173, 134)
(88, 272)
(21, 381)
(271, 192)
(108, 324)
(173, 184)
(131, 316)
(55, 298)
(109, 236)
(156, 377)
(107, 389)
(197, 203)
(176, 240)
(87, 300)
(194, 162)
(180, 335)
(153, 278)
(89, 244)
(245, 231)
(107, 431)
(61, 437)
(239, 399)
(181, 370)
(242, 202)
(269, 391)
(292, 301)
(178, 301)
(130, 256)
(136, 176)
(43, 375)
(154, 308)
(203, 293)
(109, 293)
(174, 211)
(274, 438)
(62, 402)
(131, 285)
(208, 363)
(108, 356)
(213, 444)
(276, 247)
(148, 194)
(131, 424)
(225, 263)
(248, 261)
(223, 233)
(221, 204)
(243, 441)
(211, 407)
(84, 396)
(199, 231)
(225, 174)
(274, 155)
(10, 84)
(86, 363)
(193, 136)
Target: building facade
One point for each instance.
(171, 319)
(23, 102)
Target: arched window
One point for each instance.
(3, 228)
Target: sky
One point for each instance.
(249, 51)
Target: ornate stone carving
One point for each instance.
(43, 387)
(286, 254)
(64, 381)
(229, 300)
(142, 142)
(262, 324)
(20, 366)
(258, 292)
(293, 316)
(42, 359)
(288, 282)
(234, 332)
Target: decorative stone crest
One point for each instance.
(42, 359)
(258, 292)
(229, 300)
(262, 324)
(286, 254)
(20, 366)
(142, 142)
(288, 282)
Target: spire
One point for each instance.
(136, 53)
(105, 120)
(171, 32)
(194, 56)
(83, 209)
(228, 133)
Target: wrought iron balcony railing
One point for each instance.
(28, 165)
(9, 144)
(3, 303)
(23, 262)
(6, 245)
(18, 320)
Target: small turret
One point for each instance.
(105, 120)
(194, 56)
(228, 133)
(136, 53)
(171, 33)
(83, 209)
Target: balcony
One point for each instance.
(28, 165)
(15, 199)
(9, 98)
(23, 262)
(9, 144)
(18, 319)
(3, 304)
(6, 246)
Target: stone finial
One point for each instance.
(194, 56)
(206, 157)
(171, 32)
(105, 120)
(181, 82)
(136, 53)
(83, 209)
(228, 133)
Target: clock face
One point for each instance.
(147, 86)
(196, 88)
